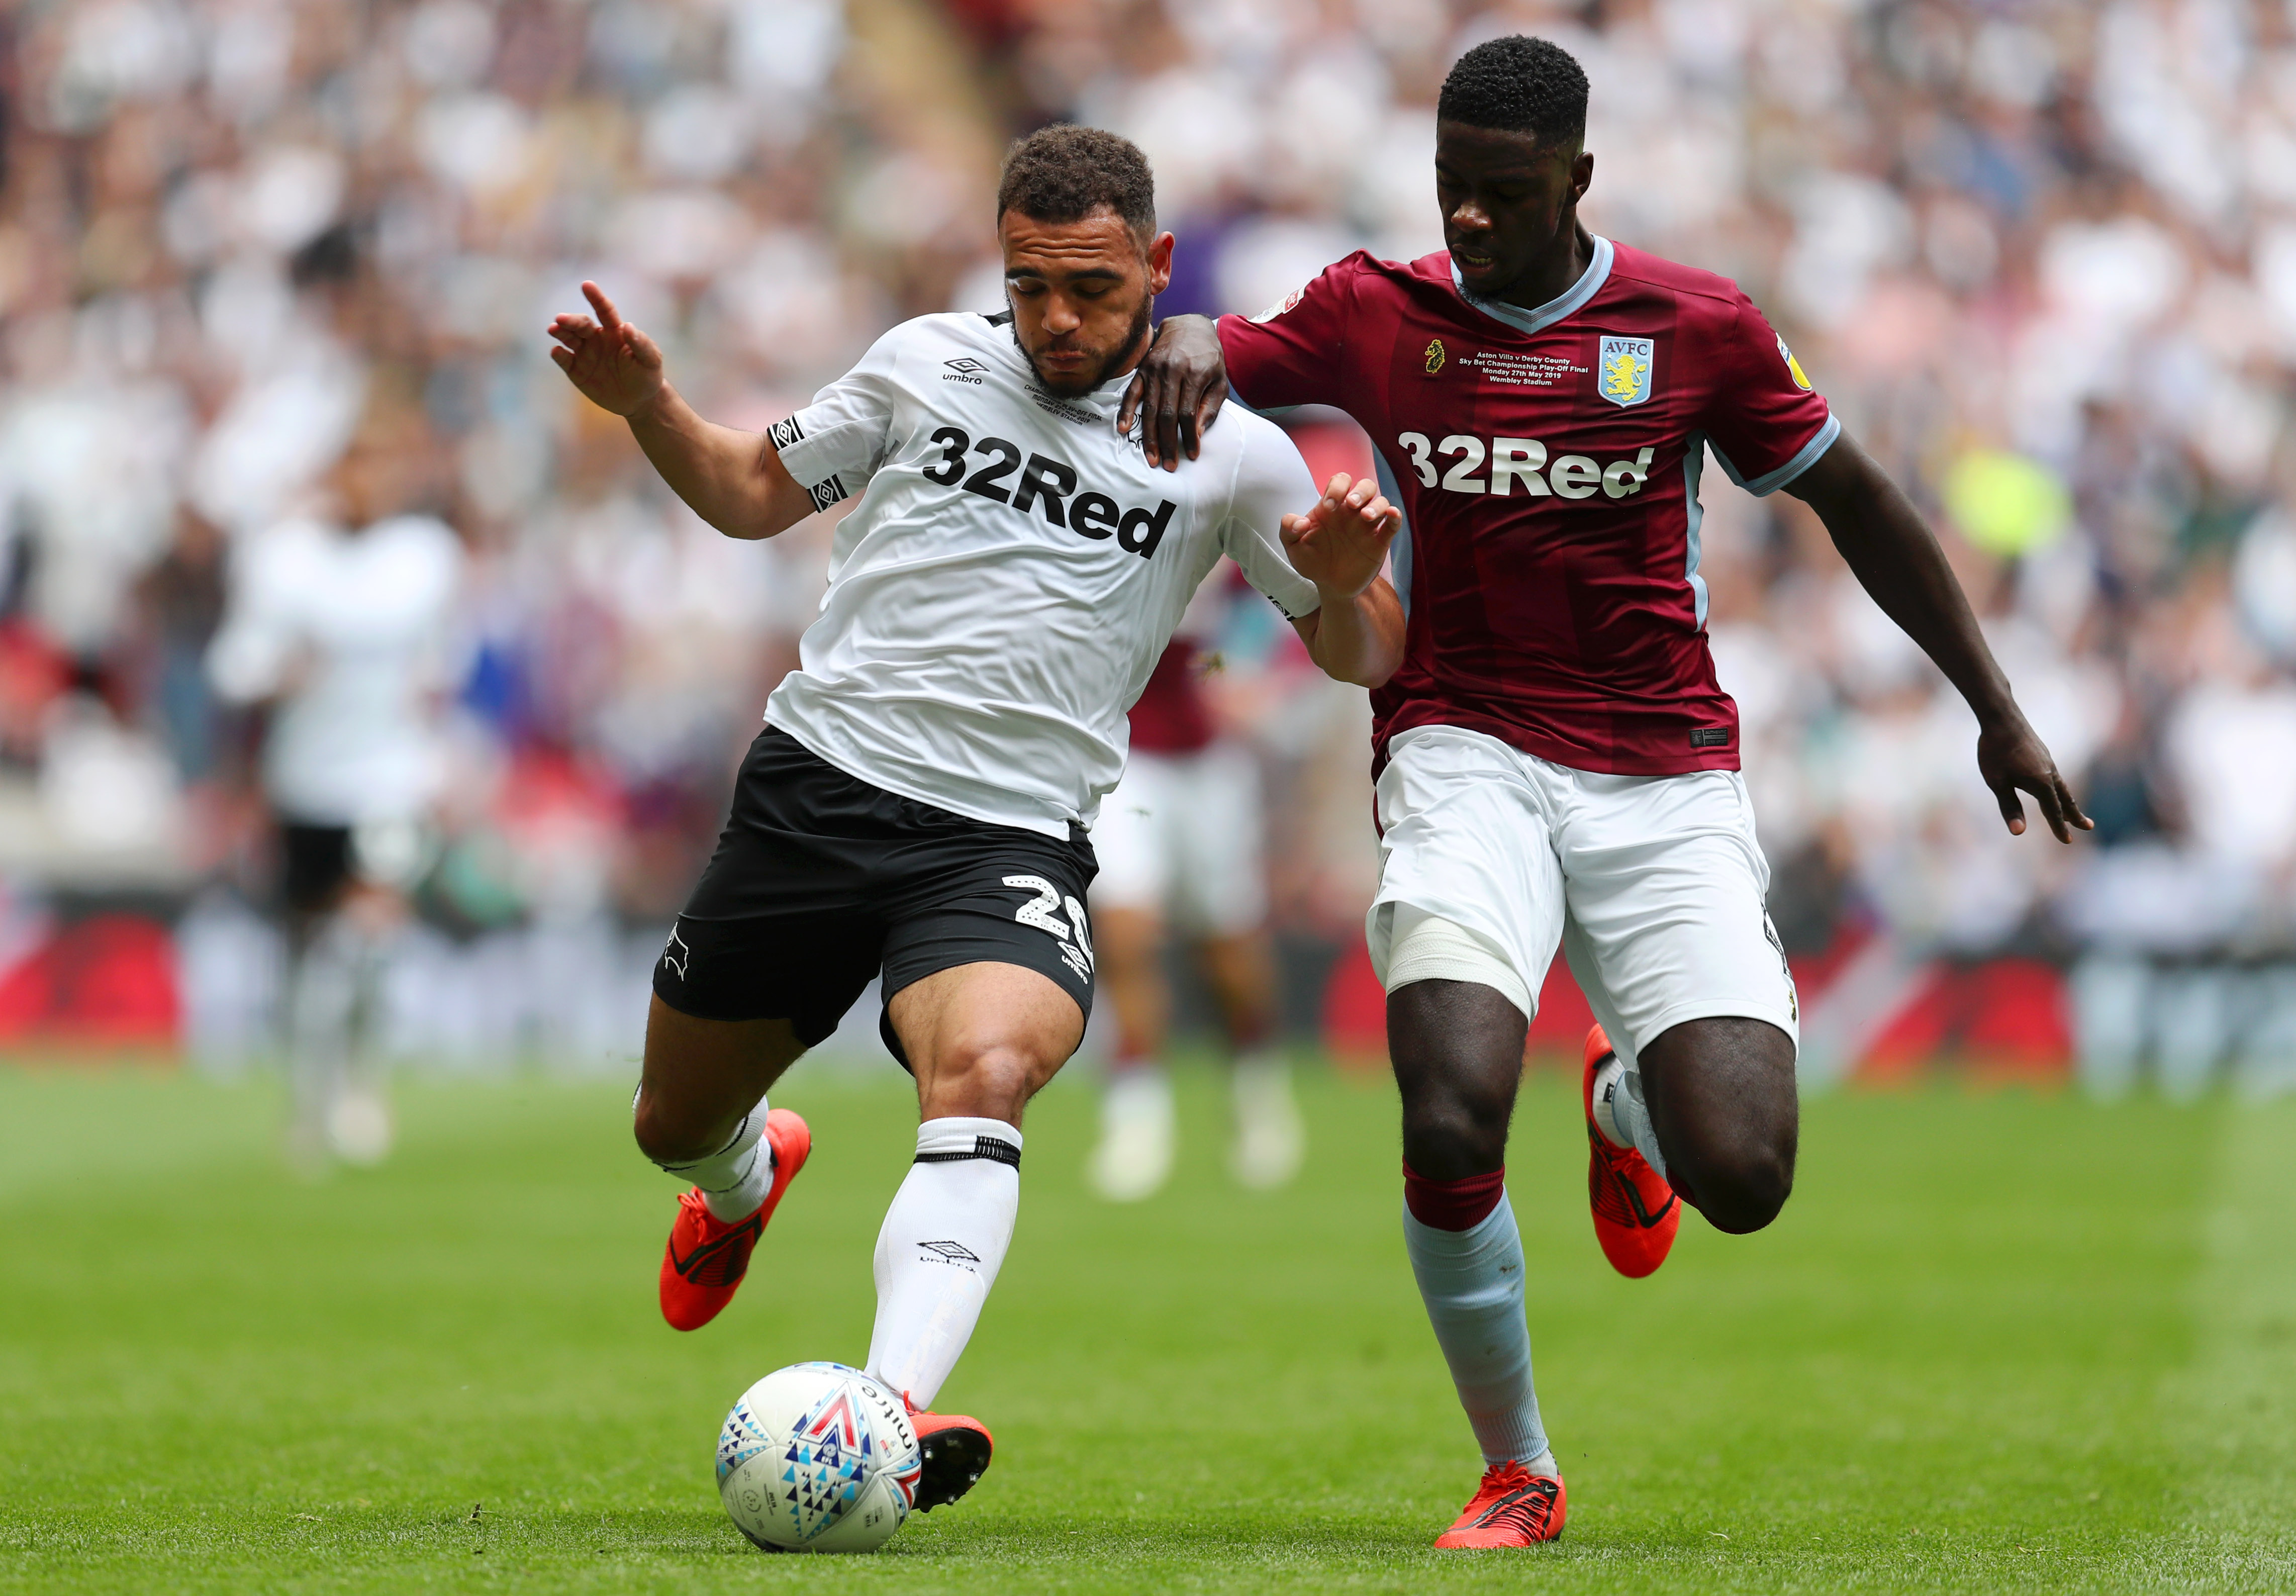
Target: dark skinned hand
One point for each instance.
(2012, 758)
(1177, 389)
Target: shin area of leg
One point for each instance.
(982, 1039)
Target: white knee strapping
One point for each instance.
(1425, 947)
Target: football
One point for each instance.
(817, 1457)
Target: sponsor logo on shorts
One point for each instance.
(677, 955)
(1074, 933)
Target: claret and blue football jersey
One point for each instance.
(1549, 464)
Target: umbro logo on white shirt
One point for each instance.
(964, 370)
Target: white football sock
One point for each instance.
(944, 1239)
(735, 1178)
(1630, 1124)
(1134, 1158)
(1622, 1114)
(1471, 1282)
(1270, 1141)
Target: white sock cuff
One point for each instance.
(721, 1164)
(1425, 947)
(953, 1140)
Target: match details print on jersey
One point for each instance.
(1548, 462)
(1047, 561)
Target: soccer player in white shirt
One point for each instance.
(919, 802)
(340, 626)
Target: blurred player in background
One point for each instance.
(1179, 846)
(1555, 760)
(917, 806)
(338, 626)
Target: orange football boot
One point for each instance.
(1636, 1211)
(956, 1451)
(706, 1256)
(1513, 1507)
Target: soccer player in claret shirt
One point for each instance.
(1554, 760)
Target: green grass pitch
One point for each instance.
(1998, 1342)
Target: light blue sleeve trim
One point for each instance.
(1763, 486)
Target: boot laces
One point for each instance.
(1525, 1503)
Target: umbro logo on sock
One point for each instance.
(950, 1252)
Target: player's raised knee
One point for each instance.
(1740, 1189)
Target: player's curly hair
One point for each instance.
(1064, 173)
(1518, 84)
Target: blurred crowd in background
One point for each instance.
(2040, 255)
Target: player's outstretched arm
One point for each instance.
(1896, 557)
(1341, 545)
(1177, 390)
(732, 479)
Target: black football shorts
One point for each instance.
(821, 881)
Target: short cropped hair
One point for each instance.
(1064, 173)
(1518, 84)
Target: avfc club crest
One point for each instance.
(1623, 370)
(1435, 353)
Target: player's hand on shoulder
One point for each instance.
(616, 367)
(1341, 543)
(1176, 390)
(2012, 758)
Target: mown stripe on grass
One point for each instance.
(2230, 1416)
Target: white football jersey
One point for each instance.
(351, 633)
(1000, 594)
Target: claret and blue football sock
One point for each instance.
(735, 1178)
(1467, 1257)
(943, 1241)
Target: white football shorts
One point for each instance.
(1652, 884)
(1181, 836)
